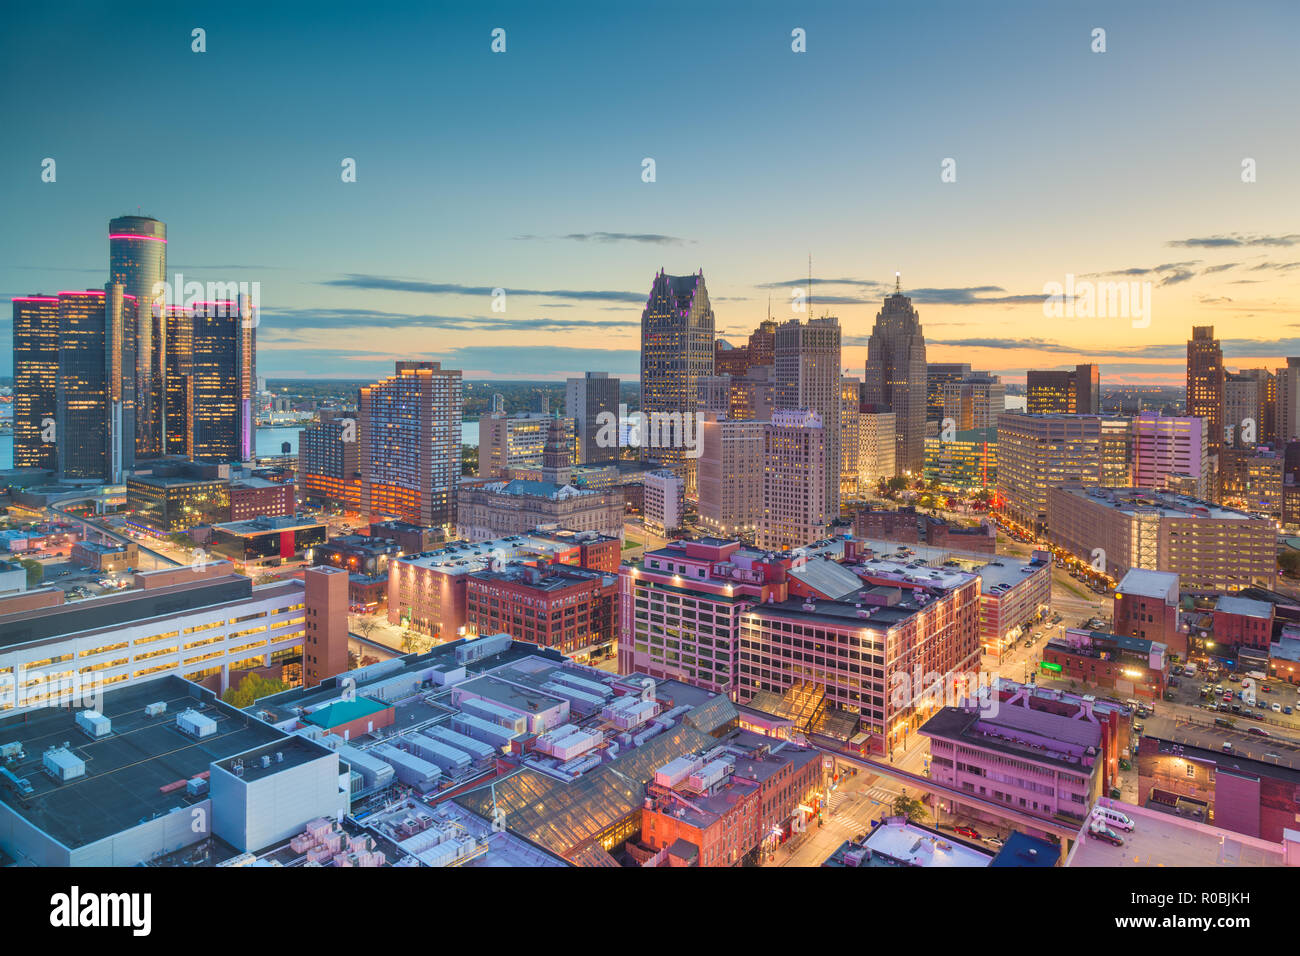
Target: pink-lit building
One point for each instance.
(1038, 762)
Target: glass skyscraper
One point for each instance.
(221, 382)
(36, 372)
(137, 252)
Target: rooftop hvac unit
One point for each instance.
(94, 724)
(196, 787)
(156, 709)
(195, 724)
(63, 765)
(14, 749)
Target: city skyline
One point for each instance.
(459, 195)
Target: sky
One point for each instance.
(523, 171)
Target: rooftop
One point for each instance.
(1151, 584)
(1245, 607)
(1165, 503)
(1163, 839)
(910, 844)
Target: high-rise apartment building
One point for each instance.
(222, 379)
(1074, 391)
(1287, 414)
(585, 399)
(807, 366)
(796, 459)
(329, 462)
(1037, 452)
(731, 475)
(896, 377)
(137, 252)
(677, 330)
(36, 374)
(1205, 381)
(409, 428)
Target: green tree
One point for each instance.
(250, 689)
(905, 806)
(35, 571)
(1289, 562)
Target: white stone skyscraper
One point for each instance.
(807, 367)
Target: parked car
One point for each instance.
(1257, 731)
(1105, 833)
(1277, 708)
(970, 832)
(994, 842)
(1112, 818)
(1286, 710)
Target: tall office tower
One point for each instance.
(96, 331)
(975, 401)
(731, 474)
(584, 400)
(137, 255)
(1246, 407)
(36, 375)
(850, 438)
(807, 369)
(329, 465)
(1205, 378)
(177, 410)
(1037, 452)
(1170, 451)
(1287, 405)
(877, 448)
(410, 444)
(676, 351)
(1063, 392)
(796, 460)
(937, 375)
(758, 351)
(509, 443)
(222, 378)
(895, 377)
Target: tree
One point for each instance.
(367, 625)
(250, 689)
(1289, 562)
(35, 571)
(413, 643)
(905, 806)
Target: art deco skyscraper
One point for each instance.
(409, 428)
(36, 373)
(1205, 380)
(807, 365)
(137, 253)
(895, 378)
(677, 331)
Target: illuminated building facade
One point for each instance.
(896, 378)
(36, 374)
(223, 379)
(1205, 383)
(137, 251)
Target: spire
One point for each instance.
(898, 283)
(810, 311)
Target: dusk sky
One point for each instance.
(523, 171)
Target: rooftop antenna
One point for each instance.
(898, 283)
(810, 309)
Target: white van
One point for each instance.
(1112, 817)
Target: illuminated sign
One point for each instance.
(1048, 666)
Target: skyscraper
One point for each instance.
(677, 329)
(584, 400)
(975, 401)
(850, 438)
(36, 373)
(1063, 391)
(807, 366)
(96, 329)
(409, 425)
(795, 466)
(895, 378)
(937, 375)
(137, 253)
(1287, 403)
(178, 412)
(222, 380)
(1205, 380)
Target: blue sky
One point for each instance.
(522, 171)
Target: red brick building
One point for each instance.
(253, 497)
(1128, 666)
(1146, 606)
(572, 609)
(1242, 622)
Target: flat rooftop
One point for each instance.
(1162, 839)
(265, 524)
(126, 769)
(1165, 503)
(922, 847)
(1005, 570)
(509, 695)
(1145, 583)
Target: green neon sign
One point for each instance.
(1047, 666)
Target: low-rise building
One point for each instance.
(107, 558)
(1015, 595)
(1146, 606)
(268, 540)
(1128, 666)
(497, 508)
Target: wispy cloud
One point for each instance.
(649, 238)
(393, 284)
(1235, 240)
(293, 320)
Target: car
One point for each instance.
(1277, 708)
(1105, 833)
(1218, 688)
(970, 832)
(1227, 696)
(1138, 728)
(1261, 704)
(1265, 688)
(1227, 747)
(994, 842)
(1257, 731)
(1177, 669)
(1286, 710)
